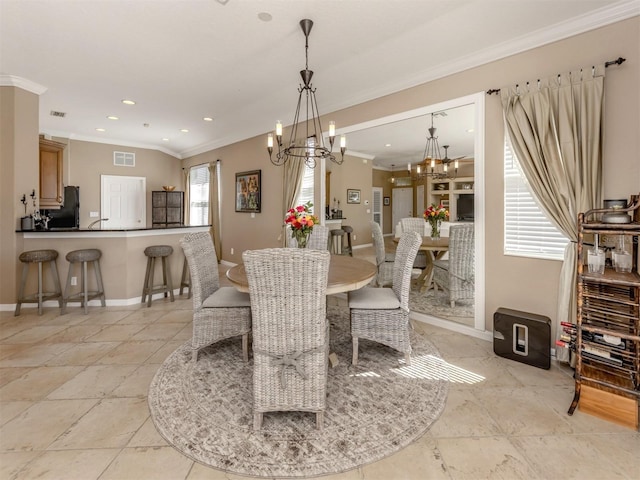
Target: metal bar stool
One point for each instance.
(337, 235)
(153, 252)
(185, 281)
(40, 257)
(348, 230)
(84, 257)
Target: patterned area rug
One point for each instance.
(373, 410)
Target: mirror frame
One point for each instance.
(478, 100)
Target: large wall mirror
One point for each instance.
(395, 141)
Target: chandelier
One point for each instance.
(310, 146)
(433, 164)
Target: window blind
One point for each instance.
(199, 195)
(527, 230)
(306, 191)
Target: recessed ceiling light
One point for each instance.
(470, 130)
(165, 139)
(101, 130)
(265, 16)
(128, 102)
(387, 144)
(208, 119)
(184, 130)
(113, 117)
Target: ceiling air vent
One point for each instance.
(124, 159)
(53, 113)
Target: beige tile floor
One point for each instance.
(73, 406)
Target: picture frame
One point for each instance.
(249, 191)
(386, 201)
(353, 195)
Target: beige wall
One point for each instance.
(84, 162)
(380, 178)
(519, 283)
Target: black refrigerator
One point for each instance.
(68, 216)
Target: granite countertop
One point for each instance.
(60, 230)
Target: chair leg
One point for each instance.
(245, 347)
(407, 359)
(319, 420)
(67, 289)
(146, 281)
(40, 293)
(96, 267)
(257, 420)
(150, 284)
(169, 281)
(354, 358)
(85, 288)
(453, 303)
(56, 281)
(194, 355)
(25, 272)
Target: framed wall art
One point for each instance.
(248, 191)
(353, 196)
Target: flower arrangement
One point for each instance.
(301, 221)
(435, 215)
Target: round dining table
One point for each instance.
(346, 273)
(435, 249)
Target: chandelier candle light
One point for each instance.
(431, 155)
(435, 215)
(310, 147)
(301, 221)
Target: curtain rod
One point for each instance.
(617, 61)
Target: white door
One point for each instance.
(123, 201)
(377, 206)
(402, 204)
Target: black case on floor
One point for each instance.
(522, 337)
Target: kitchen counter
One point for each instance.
(123, 262)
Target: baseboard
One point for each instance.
(453, 326)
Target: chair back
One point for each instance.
(413, 224)
(462, 252)
(378, 242)
(203, 266)
(289, 321)
(405, 255)
(319, 238)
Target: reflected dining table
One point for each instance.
(435, 249)
(346, 273)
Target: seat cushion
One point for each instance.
(373, 299)
(227, 297)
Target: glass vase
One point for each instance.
(301, 238)
(435, 228)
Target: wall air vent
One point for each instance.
(53, 113)
(124, 159)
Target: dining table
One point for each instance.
(435, 249)
(346, 273)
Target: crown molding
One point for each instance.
(23, 83)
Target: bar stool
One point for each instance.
(337, 234)
(348, 230)
(84, 257)
(153, 252)
(185, 281)
(40, 257)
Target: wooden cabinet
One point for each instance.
(607, 333)
(167, 209)
(51, 190)
(448, 191)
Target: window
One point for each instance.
(306, 191)
(527, 230)
(199, 195)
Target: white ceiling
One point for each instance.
(182, 60)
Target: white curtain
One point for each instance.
(293, 172)
(555, 129)
(186, 172)
(214, 211)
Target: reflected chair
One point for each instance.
(384, 262)
(218, 312)
(382, 314)
(416, 224)
(457, 275)
(290, 330)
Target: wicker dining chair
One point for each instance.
(319, 238)
(218, 312)
(382, 314)
(384, 261)
(457, 274)
(290, 330)
(416, 224)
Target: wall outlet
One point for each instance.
(354, 237)
(232, 251)
(74, 280)
(94, 214)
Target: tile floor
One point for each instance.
(73, 406)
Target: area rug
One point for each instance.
(373, 410)
(437, 304)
